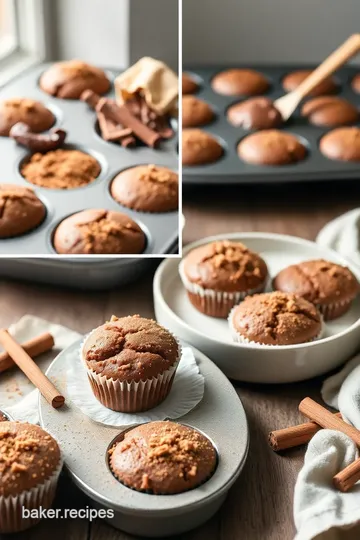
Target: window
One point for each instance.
(22, 35)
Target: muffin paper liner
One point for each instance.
(11, 519)
(238, 338)
(186, 392)
(335, 310)
(215, 303)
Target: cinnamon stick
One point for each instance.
(34, 347)
(31, 370)
(292, 436)
(326, 419)
(346, 478)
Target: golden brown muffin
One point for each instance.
(69, 79)
(32, 113)
(199, 148)
(240, 82)
(20, 210)
(329, 286)
(293, 80)
(61, 169)
(163, 458)
(330, 111)
(271, 147)
(195, 112)
(255, 113)
(275, 319)
(342, 144)
(189, 85)
(99, 232)
(147, 188)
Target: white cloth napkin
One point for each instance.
(320, 510)
(17, 394)
(343, 235)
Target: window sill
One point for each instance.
(14, 64)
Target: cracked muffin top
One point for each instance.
(99, 232)
(130, 349)
(276, 319)
(318, 281)
(20, 210)
(69, 79)
(61, 169)
(225, 266)
(28, 457)
(147, 188)
(163, 458)
(32, 113)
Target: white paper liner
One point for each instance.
(238, 338)
(213, 297)
(186, 392)
(334, 310)
(11, 519)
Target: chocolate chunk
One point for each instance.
(37, 142)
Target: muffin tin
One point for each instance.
(253, 362)
(232, 170)
(85, 443)
(80, 123)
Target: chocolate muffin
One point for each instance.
(189, 85)
(147, 188)
(199, 148)
(341, 144)
(329, 111)
(271, 147)
(163, 458)
(30, 112)
(355, 83)
(255, 113)
(30, 464)
(61, 169)
(195, 112)
(20, 210)
(275, 319)
(99, 232)
(294, 79)
(124, 352)
(240, 82)
(329, 286)
(217, 276)
(69, 79)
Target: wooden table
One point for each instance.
(260, 504)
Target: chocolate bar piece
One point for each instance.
(37, 142)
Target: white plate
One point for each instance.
(256, 363)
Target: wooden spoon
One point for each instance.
(287, 104)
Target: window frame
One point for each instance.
(30, 44)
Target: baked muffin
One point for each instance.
(131, 363)
(20, 210)
(99, 232)
(199, 148)
(240, 82)
(30, 464)
(61, 169)
(341, 144)
(275, 319)
(195, 112)
(69, 79)
(355, 83)
(147, 188)
(255, 113)
(329, 286)
(330, 111)
(30, 112)
(163, 458)
(217, 276)
(189, 85)
(293, 80)
(271, 147)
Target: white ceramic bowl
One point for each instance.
(258, 363)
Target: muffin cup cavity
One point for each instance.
(11, 507)
(131, 397)
(215, 303)
(238, 338)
